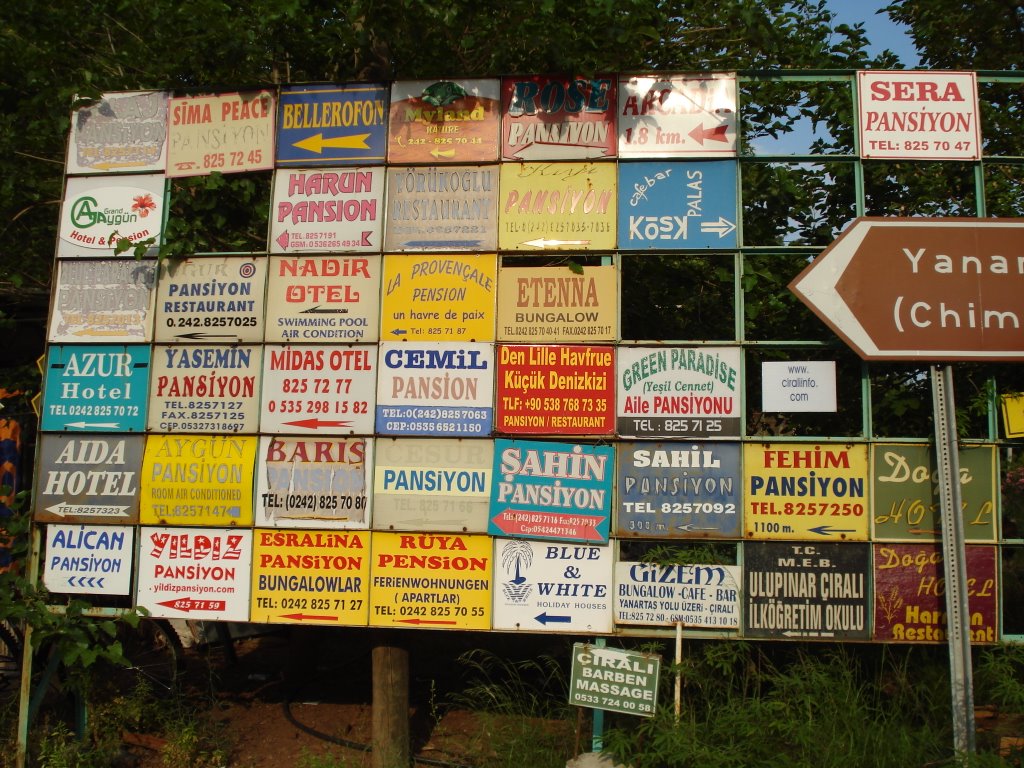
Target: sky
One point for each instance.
(881, 31)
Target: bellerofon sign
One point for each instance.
(943, 289)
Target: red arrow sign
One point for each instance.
(187, 604)
(922, 289)
(307, 617)
(316, 423)
(715, 133)
(425, 621)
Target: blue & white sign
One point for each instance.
(89, 559)
(95, 388)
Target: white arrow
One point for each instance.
(86, 425)
(723, 226)
(546, 150)
(96, 510)
(542, 243)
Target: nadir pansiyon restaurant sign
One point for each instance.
(945, 289)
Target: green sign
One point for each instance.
(906, 499)
(613, 679)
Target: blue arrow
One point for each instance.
(826, 530)
(399, 332)
(545, 619)
(442, 244)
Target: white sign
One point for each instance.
(314, 482)
(432, 485)
(195, 574)
(108, 301)
(677, 115)
(325, 210)
(211, 299)
(806, 386)
(99, 211)
(311, 390)
(89, 559)
(553, 587)
(120, 132)
(919, 115)
(694, 595)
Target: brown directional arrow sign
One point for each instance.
(939, 289)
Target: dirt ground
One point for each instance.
(305, 695)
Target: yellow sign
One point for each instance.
(1013, 415)
(809, 491)
(198, 480)
(310, 577)
(557, 206)
(445, 298)
(539, 304)
(432, 581)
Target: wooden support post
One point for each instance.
(390, 703)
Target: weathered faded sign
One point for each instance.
(314, 482)
(679, 490)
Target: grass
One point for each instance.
(743, 704)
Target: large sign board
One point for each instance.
(910, 593)
(676, 115)
(327, 124)
(905, 492)
(88, 478)
(557, 206)
(108, 300)
(556, 390)
(541, 304)
(439, 298)
(444, 121)
(794, 591)
(678, 392)
(89, 559)
(918, 115)
(200, 480)
(120, 132)
(223, 133)
(430, 581)
(807, 491)
(338, 211)
(672, 205)
(558, 118)
(678, 490)
(319, 390)
(100, 211)
(701, 596)
(441, 388)
(200, 574)
(95, 388)
(314, 482)
(211, 299)
(205, 388)
(310, 577)
(542, 586)
(614, 680)
(432, 485)
(323, 299)
(555, 491)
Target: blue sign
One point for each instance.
(556, 491)
(332, 125)
(96, 388)
(679, 490)
(672, 205)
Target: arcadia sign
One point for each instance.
(940, 289)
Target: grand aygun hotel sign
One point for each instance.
(378, 420)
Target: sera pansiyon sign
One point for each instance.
(940, 289)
